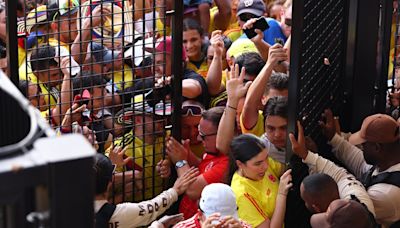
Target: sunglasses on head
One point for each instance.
(192, 110)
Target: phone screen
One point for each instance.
(260, 24)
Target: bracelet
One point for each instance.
(231, 107)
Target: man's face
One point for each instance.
(371, 153)
(192, 44)
(208, 135)
(146, 122)
(35, 97)
(159, 67)
(286, 21)
(67, 28)
(306, 199)
(52, 77)
(98, 96)
(190, 130)
(275, 127)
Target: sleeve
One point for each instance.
(350, 155)
(386, 199)
(143, 213)
(347, 183)
(276, 167)
(250, 211)
(258, 129)
(204, 98)
(217, 173)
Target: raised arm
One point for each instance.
(257, 88)
(236, 90)
(214, 74)
(65, 98)
(258, 40)
(223, 16)
(191, 88)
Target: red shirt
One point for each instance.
(194, 222)
(214, 169)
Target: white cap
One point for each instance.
(218, 198)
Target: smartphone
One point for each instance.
(260, 24)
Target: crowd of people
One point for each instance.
(103, 68)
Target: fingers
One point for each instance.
(77, 110)
(293, 140)
(216, 32)
(242, 74)
(249, 23)
(300, 132)
(247, 85)
(190, 176)
(286, 174)
(329, 116)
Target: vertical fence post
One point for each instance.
(177, 69)
(12, 40)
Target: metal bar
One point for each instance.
(383, 55)
(177, 69)
(12, 40)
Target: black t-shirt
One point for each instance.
(204, 97)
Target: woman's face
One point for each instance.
(256, 167)
(192, 44)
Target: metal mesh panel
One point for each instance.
(320, 61)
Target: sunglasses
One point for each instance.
(246, 16)
(288, 22)
(192, 110)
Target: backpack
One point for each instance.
(103, 216)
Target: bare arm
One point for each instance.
(280, 206)
(63, 102)
(214, 74)
(256, 90)
(235, 90)
(223, 16)
(191, 88)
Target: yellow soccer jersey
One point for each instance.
(123, 76)
(145, 158)
(256, 199)
(258, 129)
(202, 70)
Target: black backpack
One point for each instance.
(103, 216)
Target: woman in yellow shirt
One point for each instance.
(260, 196)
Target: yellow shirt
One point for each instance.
(256, 199)
(202, 70)
(258, 129)
(126, 75)
(145, 158)
(160, 28)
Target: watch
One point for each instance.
(180, 164)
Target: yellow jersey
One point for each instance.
(258, 129)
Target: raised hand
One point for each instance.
(176, 151)
(285, 183)
(117, 156)
(329, 126)
(234, 84)
(260, 35)
(184, 181)
(217, 43)
(164, 168)
(299, 145)
(276, 54)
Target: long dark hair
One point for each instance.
(243, 148)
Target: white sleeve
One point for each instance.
(350, 155)
(347, 183)
(143, 213)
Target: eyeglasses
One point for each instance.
(192, 110)
(203, 136)
(288, 22)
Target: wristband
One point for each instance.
(231, 107)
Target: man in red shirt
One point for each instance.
(212, 167)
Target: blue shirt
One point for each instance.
(274, 31)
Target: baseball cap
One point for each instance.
(256, 7)
(125, 116)
(378, 128)
(219, 198)
(165, 45)
(343, 213)
(34, 18)
(102, 53)
(240, 46)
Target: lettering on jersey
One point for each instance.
(156, 206)
(150, 208)
(164, 202)
(142, 210)
(209, 166)
(113, 225)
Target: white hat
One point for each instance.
(219, 198)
